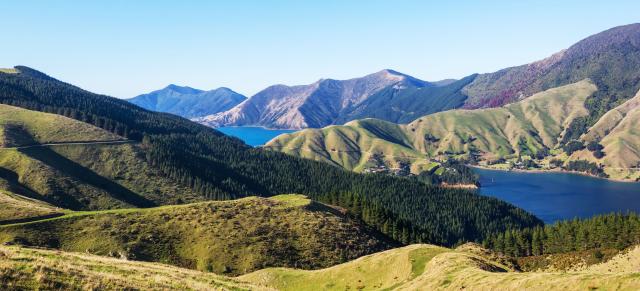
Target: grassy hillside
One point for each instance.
(404, 104)
(19, 127)
(15, 207)
(82, 176)
(92, 176)
(530, 134)
(230, 237)
(524, 128)
(425, 267)
(618, 133)
(213, 166)
(34, 269)
(608, 58)
(414, 267)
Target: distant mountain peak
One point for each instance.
(313, 105)
(182, 89)
(189, 102)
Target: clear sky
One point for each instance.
(125, 48)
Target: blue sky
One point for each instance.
(124, 48)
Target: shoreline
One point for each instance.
(552, 171)
(460, 186)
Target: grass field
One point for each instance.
(34, 269)
(20, 126)
(226, 237)
(8, 70)
(425, 267)
(15, 207)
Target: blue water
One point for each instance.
(549, 196)
(253, 136)
(557, 196)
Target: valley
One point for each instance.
(524, 178)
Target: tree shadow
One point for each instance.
(14, 185)
(72, 169)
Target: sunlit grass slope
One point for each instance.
(226, 237)
(20, 126)
(528, 126)
(33, 269)
(84, 176)
(425, 267)
(618, 132)
(16, 207)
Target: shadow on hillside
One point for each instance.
(71, 168)
(14, 185)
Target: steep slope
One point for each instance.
(78, 166)
(231, 237)
(188, 102)
(36, 269)
(425, 267)
(16, 205)
(618, 133)
(171, 160)
(524, 128)
(609, 59)
(315, 105)
(401, 105)
(20, 127)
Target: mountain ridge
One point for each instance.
(313, 105)
(188, 102)
(608, 58)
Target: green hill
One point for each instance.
(16, 207)
(414, 267)
(526, 127)
(225, 237)
(170, 160)
(20, 127)
(426, 267)
(36, 269)
(78, 166)
(529, 134)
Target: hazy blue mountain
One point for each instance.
(189, 102)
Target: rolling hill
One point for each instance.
(188, 102)
(224, 237)
(426, 267)
(163, 159)
(75, 165)
(528, 126)
(37, 269)
(533, 129)
(414, 267)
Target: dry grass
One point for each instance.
(424, 267)
(33, 269)
(14, 206)
(224, 237)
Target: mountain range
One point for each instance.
(574, 110)
(105, 183)
(607, 58)
(67, 153)
(189, 102)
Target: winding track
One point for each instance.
(119, 141)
